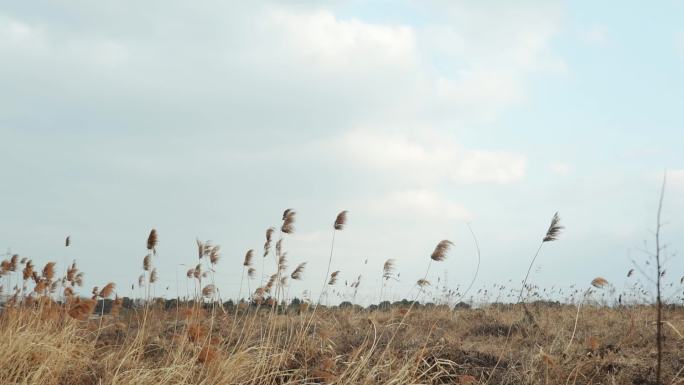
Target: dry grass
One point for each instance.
(45, 343)
(79, 341)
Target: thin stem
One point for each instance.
(659, 305)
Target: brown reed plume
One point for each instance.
(288, 221)
(49, 271)
(251, 273)
(298, 271)
(107, 290)
(554, 229)
(152, 241)
(214, 255)
(14, 262)
(147, 262)
(208, 290)
(333, 278)
(28, 270)
(341, 220)
(248, 258)
(282, 262)
(82, 309)
(599, 282)
(269, 239)
(441, 250)
(270, 283)
(153, 275)
(5, 266)
(423, 282)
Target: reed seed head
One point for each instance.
(341, 220)
(298, 271)
(248, 258)
(208, 291)
(554, 229)
(441, 250)
(152, 241)
(147, 262)
(388, 269)
(599, 282)
(214, 254)
(288, 221)
(107, 290)
(333, 277)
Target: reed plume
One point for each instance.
(107, 290)
(79, 279)
(28, 270)
(251, 273)
(599, 282)
(214, 255)
(388, 269)
(147, 262)
(282, 262)
(82, 309)
(554, 229)
(341, 220)
(298, 271)
(333, 277)
(423, 282)
(288, 221)
(152, 241)
(248, 258)
(270, 283)
(67, 241)
(269, 239)
(5, 265)
(441, 250)
(208, 290)
(14, 262)
(153, 276)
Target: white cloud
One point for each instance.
(429, 157)
(419, 203)
(342, 44)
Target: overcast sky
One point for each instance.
(207, 119)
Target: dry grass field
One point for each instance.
(49, 334)
(43, 344)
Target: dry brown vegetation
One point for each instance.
(45, 343)
(50, 335)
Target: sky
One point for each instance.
(205, 120)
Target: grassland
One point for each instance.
(42, 344)
(49, 334)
